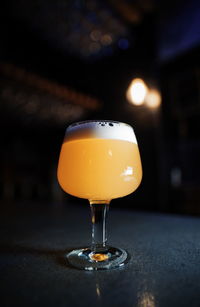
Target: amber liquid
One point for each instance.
(99, 169)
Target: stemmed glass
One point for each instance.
(99, 161)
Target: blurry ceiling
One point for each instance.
(83, 28)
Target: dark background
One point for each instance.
(66, 61)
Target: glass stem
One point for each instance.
(99, 211)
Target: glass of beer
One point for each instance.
(99, 161)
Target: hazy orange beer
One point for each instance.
(99, 168)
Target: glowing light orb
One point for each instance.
(136, 92)
(153, 98)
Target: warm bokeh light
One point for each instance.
(147, 299)
(136, 92)
(153, 98)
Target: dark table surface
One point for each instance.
(164, 269)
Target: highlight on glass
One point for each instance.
(99, 161)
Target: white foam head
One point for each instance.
(102, 129)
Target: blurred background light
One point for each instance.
(136, 92)
(153, 98)
(95, 35)
(106, 39)
(123, 43)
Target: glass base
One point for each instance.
(86, 259)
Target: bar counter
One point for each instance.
(164, 266)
